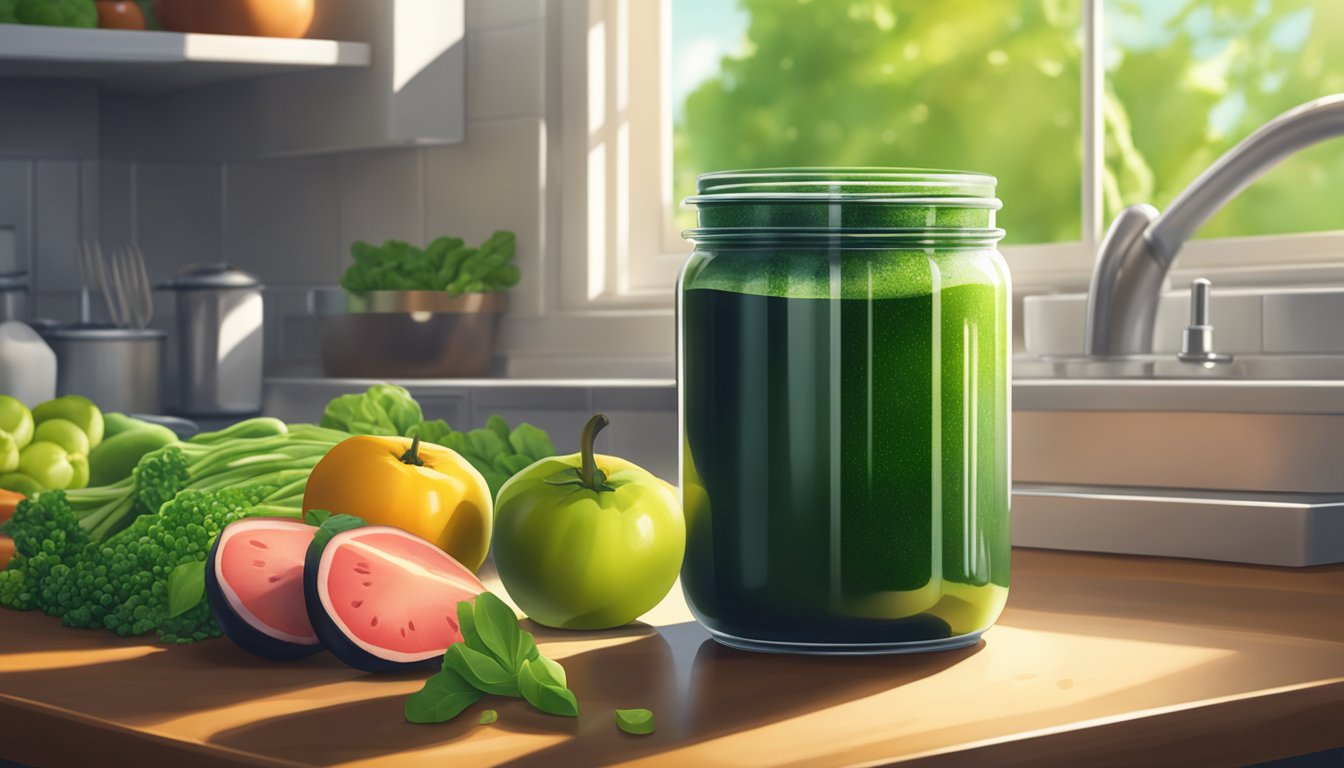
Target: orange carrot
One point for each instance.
(9, 501)
(6, 551)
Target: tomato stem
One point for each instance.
(588, 467)
(412, 455)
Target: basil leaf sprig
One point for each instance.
(495, 657)
(444, 697)
(542, 683)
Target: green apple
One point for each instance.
(76, 409)
(20, 483)
(587, 541)
(63, 433)
(16, 431)
(49, 464)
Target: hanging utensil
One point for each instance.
(144, 293)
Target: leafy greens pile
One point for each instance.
(113, 556)
(130, 557)
(446, 264)
(496, 451)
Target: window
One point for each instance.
(1188, 79)
(1077, 106)
(981, 85)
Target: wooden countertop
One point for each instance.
(1099, 660)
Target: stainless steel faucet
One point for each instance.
(1142, 244)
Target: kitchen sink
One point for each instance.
(1137, 429)
(1239, 459)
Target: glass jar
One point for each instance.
(844, 338)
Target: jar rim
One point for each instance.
(844, 181)
(938, 237)
(881, 198)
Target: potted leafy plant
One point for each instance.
(411, 312)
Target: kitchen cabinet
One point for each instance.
(374, 73)
(1098, 660)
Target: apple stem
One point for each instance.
(412, 456)
(588, 467)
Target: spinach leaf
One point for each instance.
(444, 697)
(485, 444)
(186, 587)
(435, 431)
(383, 409)
(466, 622)
(531, 442)
(500, 427)
(545, 695)
(527, 649)
(481, 671)
(488, 716)
(497, 627)
(548, 671)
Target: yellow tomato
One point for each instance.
(421, 488)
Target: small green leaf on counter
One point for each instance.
(527, 649)
(444, 697)
(549, 671)
(495, 656)
(466, 621)
(488, 716)
(494, 613)
(484, 672)
(186, 587)
(541, 691)
(497, 627)
(636, 721)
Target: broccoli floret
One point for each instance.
(14, 592)
(47, 539)
(120, 583)
(160, 476)
(139, 560)
(45, 524)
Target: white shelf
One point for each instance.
(148, 62)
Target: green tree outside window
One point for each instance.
(994, 86)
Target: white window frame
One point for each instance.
(617, 208)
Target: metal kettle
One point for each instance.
(220, 341)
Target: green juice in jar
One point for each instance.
(845, 434)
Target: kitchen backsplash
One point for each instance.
(291, 220)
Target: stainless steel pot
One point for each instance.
(117, 368)
(220, 341)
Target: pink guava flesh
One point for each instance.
(258, 566)
(392, 595)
